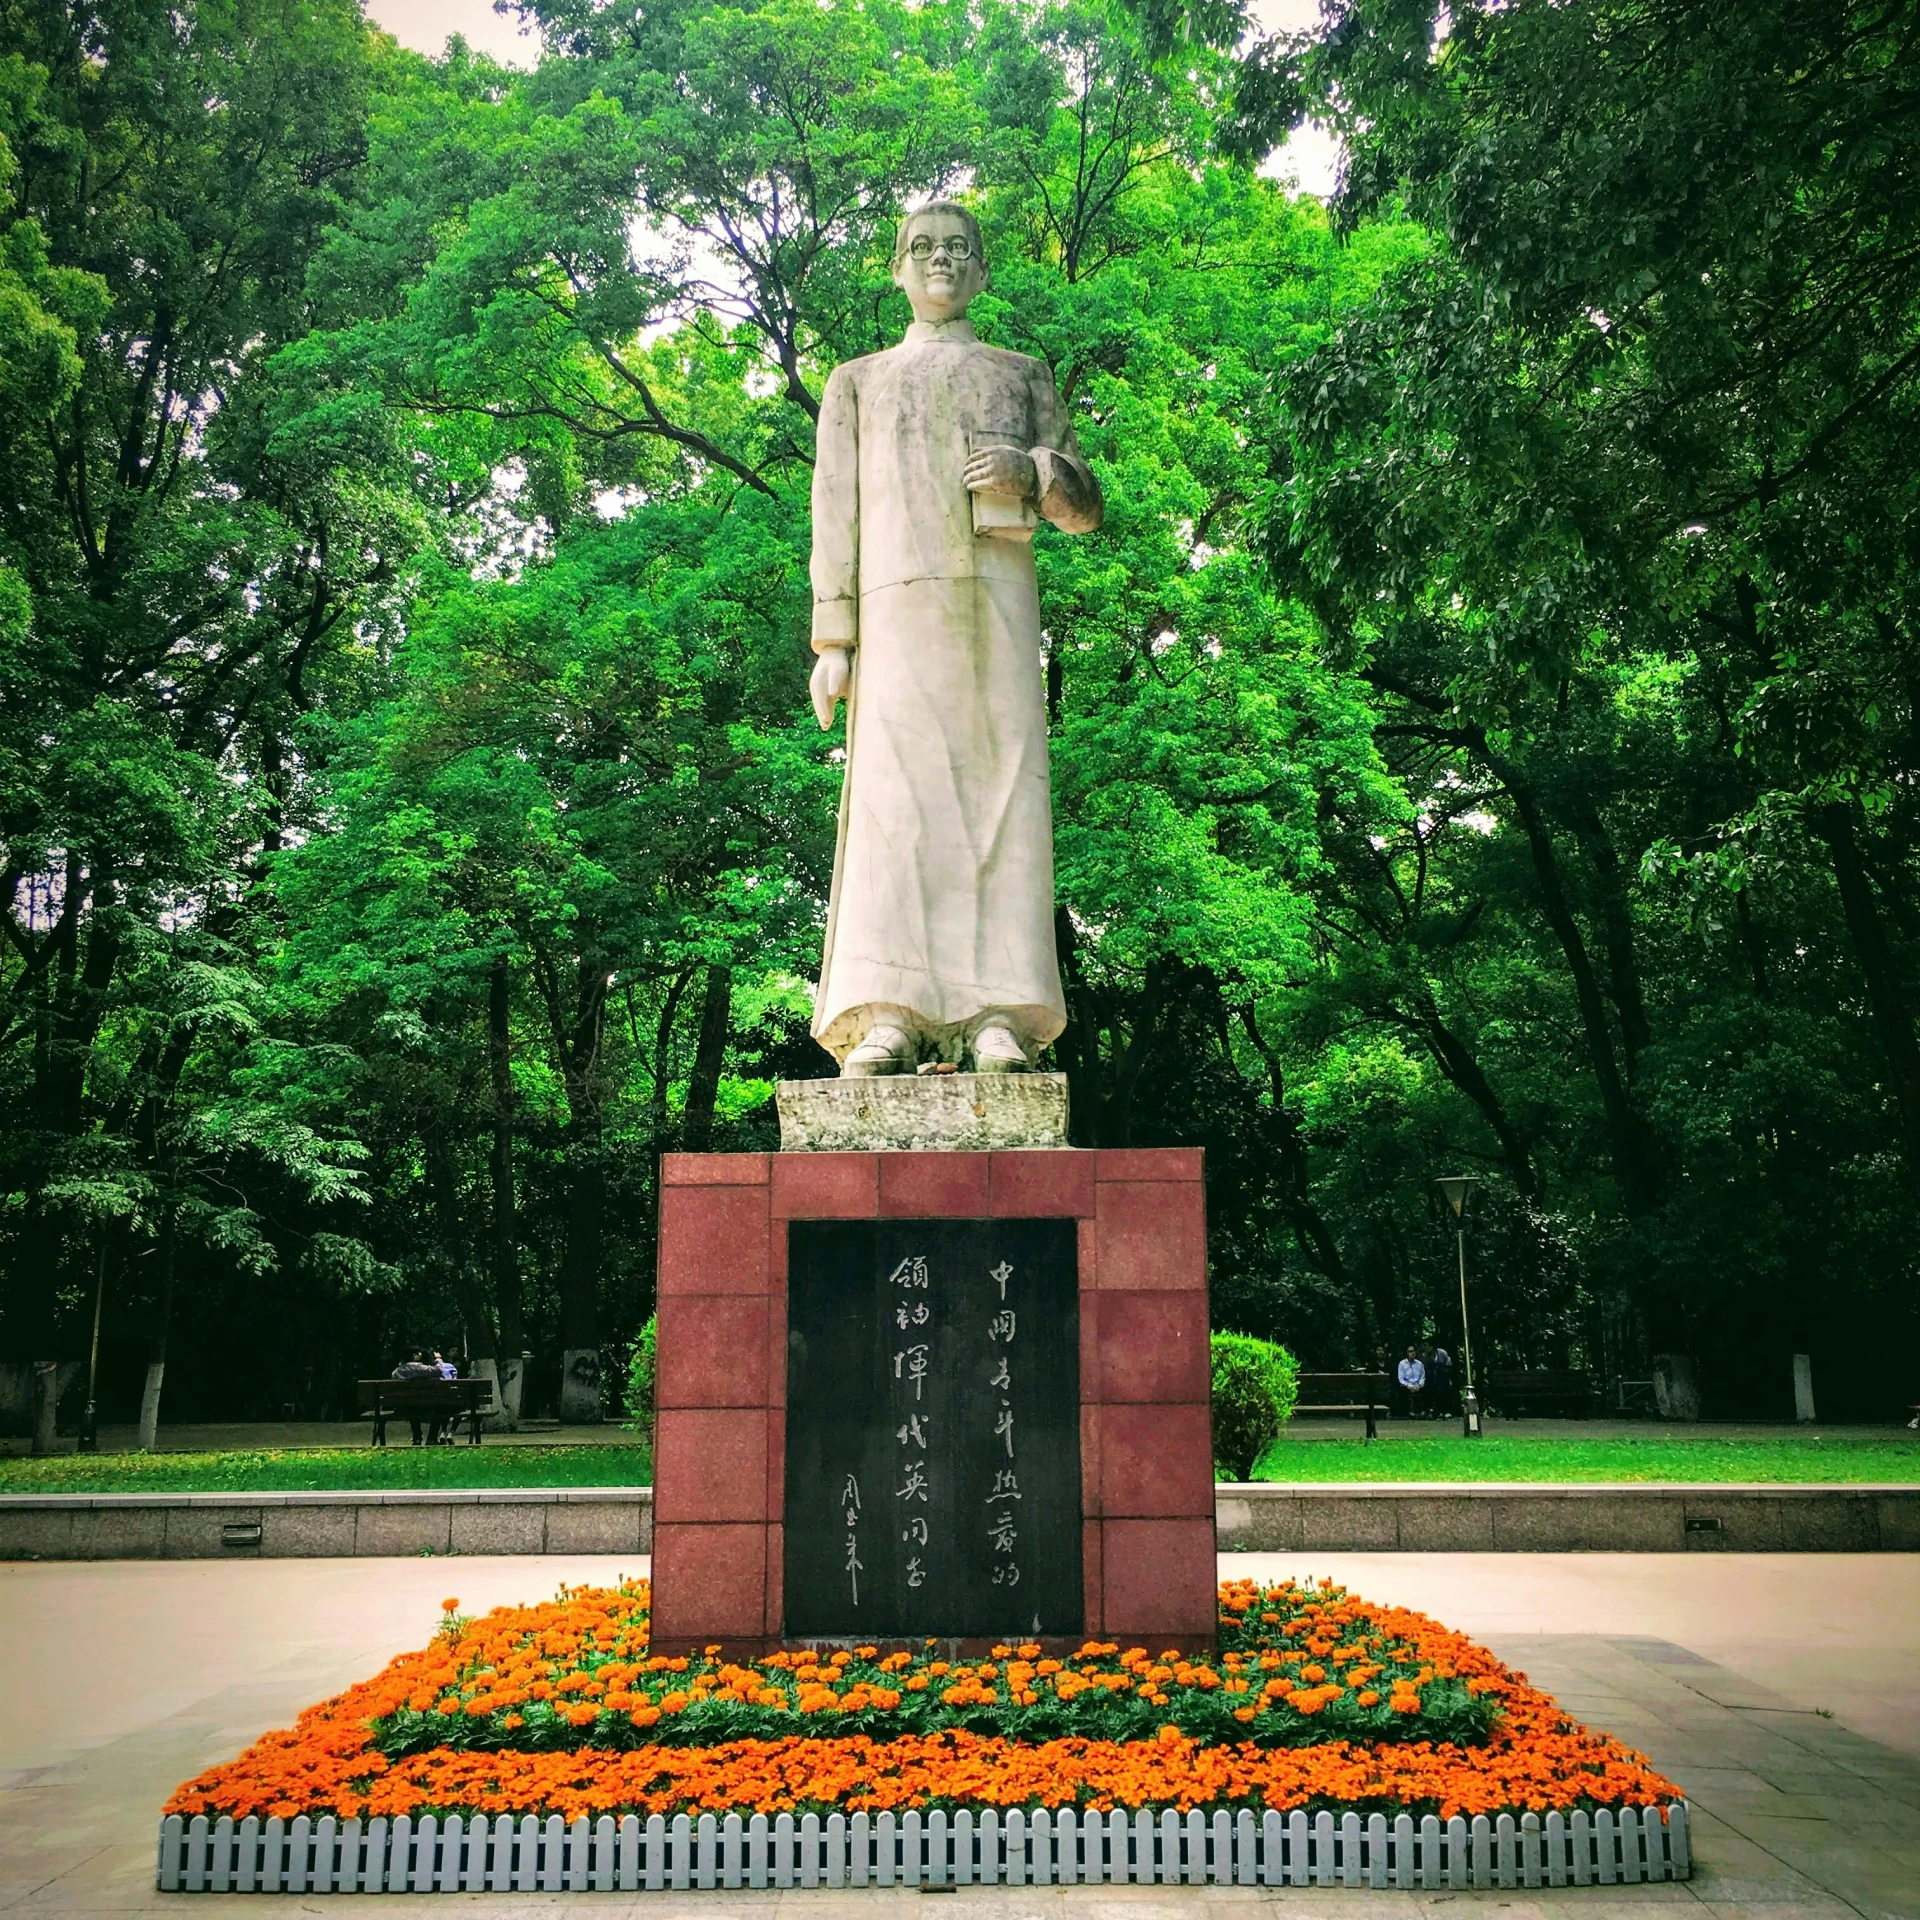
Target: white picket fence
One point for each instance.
(527, 1855)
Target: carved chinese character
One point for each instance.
(915, 1530)
(911, 1272)
(855, 1566)
(1003, 1429)
(1006, 1576)
(914, 1433)
(910, 1363)
(917, 1482)
(1006, 1486)
(916, 1315)
(1000, 1327)
(916, 1574)
(1001, 1377)
(1003, 1273)
(1002, 1533)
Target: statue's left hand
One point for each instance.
(1002, 470)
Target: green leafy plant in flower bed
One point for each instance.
(1320, 1668)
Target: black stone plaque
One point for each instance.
(933, 1429)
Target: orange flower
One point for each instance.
(591, 1645)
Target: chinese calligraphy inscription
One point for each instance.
(937, 1361)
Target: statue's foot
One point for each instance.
(995, 1050)
(884, 1050)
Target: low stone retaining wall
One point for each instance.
(1529, 1517)
(251, 1526)
(1330, 1517)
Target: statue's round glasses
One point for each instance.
(957, 247)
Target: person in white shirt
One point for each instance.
(1413, 1384)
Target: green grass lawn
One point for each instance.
(1662, 1454)
(1441, 1454)
(319, 1469)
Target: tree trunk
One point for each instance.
(703, 1090)
(1309, 1224)
(1456, 1061)
(157, 1340)
(46, 1405)
(505, 1254)
(1616, 925)
(587, 1201)
(1635, 1158)
(1886, 1000)
(474, 1316)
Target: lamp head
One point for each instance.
(1456, 1186)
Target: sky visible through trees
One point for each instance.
(1483, 730)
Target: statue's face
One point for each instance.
(941, 269)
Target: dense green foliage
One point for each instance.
(1480, 730)
(1255, 1384)
(642, 1374)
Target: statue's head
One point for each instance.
(938, 260)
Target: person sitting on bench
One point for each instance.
(1413, 1385)
(418, 1367)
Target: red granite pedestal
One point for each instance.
(1146, 1439)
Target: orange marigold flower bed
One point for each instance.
(560, 1708)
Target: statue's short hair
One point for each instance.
(963, 214)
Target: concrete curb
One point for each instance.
(254, 1526)
(1536, 1517)
(1258, 1517)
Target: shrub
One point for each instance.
(1255, 1384)
(639, 1399)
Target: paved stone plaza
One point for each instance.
(121, 1678)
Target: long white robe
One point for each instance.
(942, 906)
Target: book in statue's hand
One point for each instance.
(1001, 516)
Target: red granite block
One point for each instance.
(1089, 1345)
(710, 1464)
(709, 1582)
(1158, 1577)
(1087, 1246)
(777, 1349)
(1152, 1235)
(712, 1350)
(1090, 1576)
(1042, 1181)
(1156, 1462)
(714, 1169)
(934, 1186)
(777, 1464)
(777, 1251)
(776, 1579)
(826, 1186)
(1149, 1163)
(713, 1240)
(1089, 1459)
(1152, 1346)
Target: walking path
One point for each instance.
(121, 1678)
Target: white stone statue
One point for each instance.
(936, 460)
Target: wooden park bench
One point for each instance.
(1548, 1392)
(1344, 1393)
(424, 1399)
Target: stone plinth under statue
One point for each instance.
(908, 1113)
(757, 1254)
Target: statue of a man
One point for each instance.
(935, 461)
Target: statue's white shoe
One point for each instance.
(995, 1050)
(884, 1050)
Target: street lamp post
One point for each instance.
(1456, 1186)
